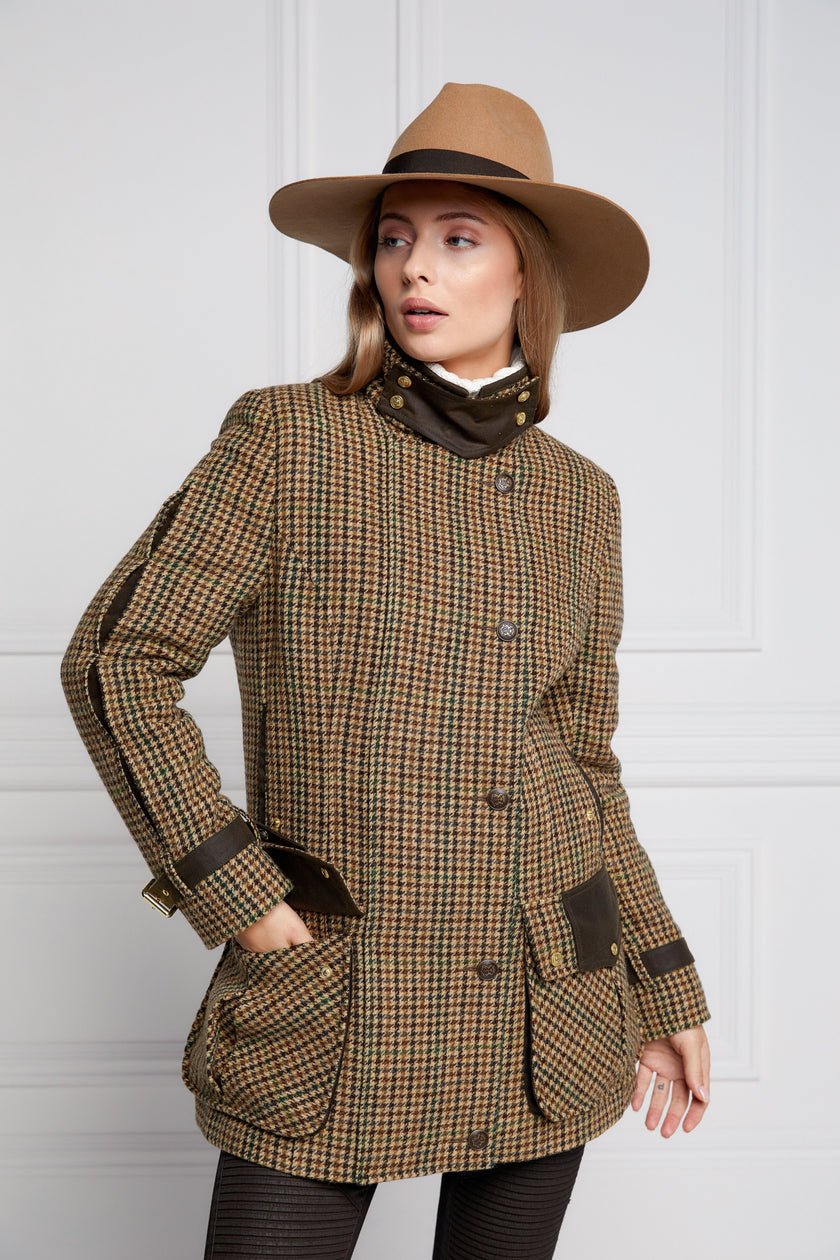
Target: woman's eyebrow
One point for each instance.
(441, 218)
(461, 214)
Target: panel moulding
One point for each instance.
(734, 624)
(660, 745)
(66, 1064)
(88, 1155)
(718, 879)
(287, 50)
(419, 61)
(291, 51)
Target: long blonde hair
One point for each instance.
(539, 311)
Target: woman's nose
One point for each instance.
(418, 265)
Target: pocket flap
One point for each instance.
(581, 931)
(317, 884)
(552, 946)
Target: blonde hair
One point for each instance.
(539, 311)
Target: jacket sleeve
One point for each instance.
(667, 990)
(152, 624)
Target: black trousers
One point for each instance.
(512, 1210)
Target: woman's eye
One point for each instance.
(459, 241)
(390, 242)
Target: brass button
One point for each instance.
(326, 972)
(556, 957)
(590, 815)
(503, 482)
(521, 417)
(614, 949)
(497, 798)
(478, 1140)
(506, 631)
(325, 872)
(404, 381)
(487, 970)
(275, 822)
(397, 401)
(524, 396)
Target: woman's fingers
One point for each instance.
(676, 1070)
(658, 1098)
(643, 1079)
(694, 1048)
(676, 1111)
(695, 1114)
(280, 928)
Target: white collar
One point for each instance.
(472, 387)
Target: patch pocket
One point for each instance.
(579, 1044)
(267, 1044)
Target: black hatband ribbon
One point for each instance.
(446, 162)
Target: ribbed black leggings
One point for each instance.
(512, 1210)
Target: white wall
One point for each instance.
(143, 290)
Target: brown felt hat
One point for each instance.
(483, 136)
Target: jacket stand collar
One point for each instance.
(445, 413)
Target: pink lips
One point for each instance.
(420, 315)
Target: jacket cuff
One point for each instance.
(235, 896)
(670, 1003)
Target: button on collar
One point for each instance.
(445, 414)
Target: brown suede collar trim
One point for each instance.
(470, 427)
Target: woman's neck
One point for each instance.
(473, 386)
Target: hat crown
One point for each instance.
(485, 122)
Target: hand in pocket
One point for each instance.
(281, 928)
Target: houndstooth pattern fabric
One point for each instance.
(426, 659)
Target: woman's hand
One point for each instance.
(679, 1067)
(279, 929)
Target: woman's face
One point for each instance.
(448, 275)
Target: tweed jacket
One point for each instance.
(425, 646)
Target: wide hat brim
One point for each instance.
(603, 253)
(488, 138)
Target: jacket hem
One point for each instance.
(526, 1139)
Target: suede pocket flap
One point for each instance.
(592, 911)
(580, 931)
(317, 884)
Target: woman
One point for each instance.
(444, 948)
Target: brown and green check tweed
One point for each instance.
(426, 655)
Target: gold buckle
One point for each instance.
(161, 893)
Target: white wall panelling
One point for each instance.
(146, 290)
(711, 887)
(312, 132)
(660, 745)
(419, 34)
